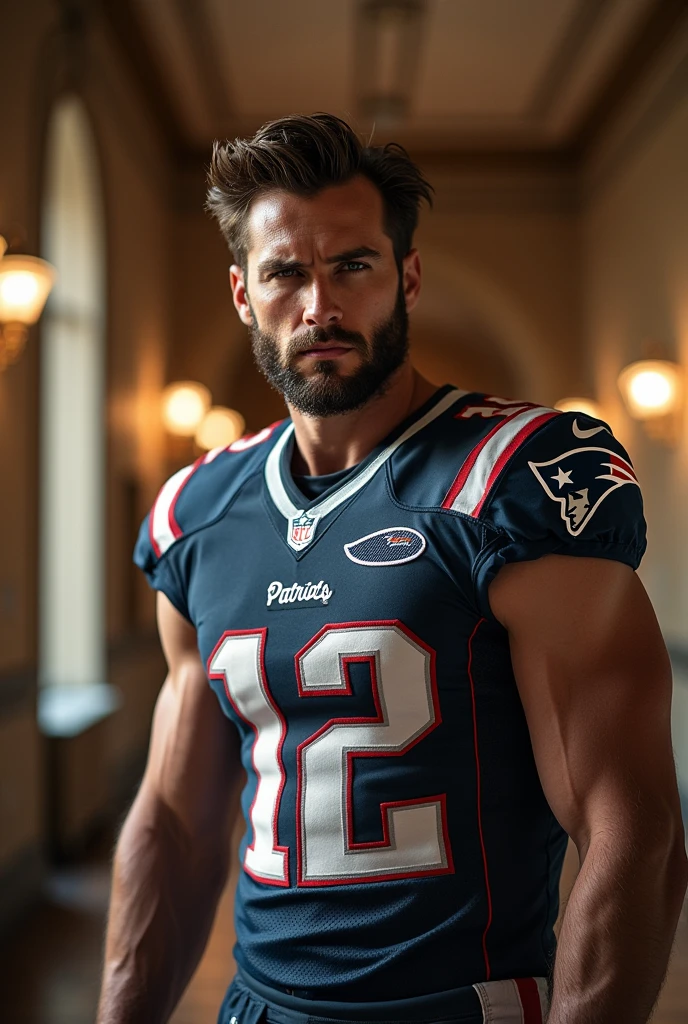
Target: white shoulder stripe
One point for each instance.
(477, 475)
(162, 526)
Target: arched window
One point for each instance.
(72, 480)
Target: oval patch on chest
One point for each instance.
(392, 546)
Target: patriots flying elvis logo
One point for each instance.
(580, 480)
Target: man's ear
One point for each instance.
(410, 278)
(240, 294)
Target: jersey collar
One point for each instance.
(302, 523)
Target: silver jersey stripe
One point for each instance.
(282, 500)
(476, 481)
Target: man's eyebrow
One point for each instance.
(355, 254)
(273, 266)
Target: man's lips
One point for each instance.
(327, 351)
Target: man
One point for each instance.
(426, 643)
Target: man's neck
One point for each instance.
(338, 442)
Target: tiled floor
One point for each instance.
(49, 970)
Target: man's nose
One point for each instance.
(321, 309)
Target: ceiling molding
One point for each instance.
(485, 145)
(126, 30)
(549, 89)
(651, 36)
(196, 24)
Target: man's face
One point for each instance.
(323, 296)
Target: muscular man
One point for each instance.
(411, 614)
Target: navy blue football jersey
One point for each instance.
(398, 841)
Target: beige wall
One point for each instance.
(635, 255)
(635, 259)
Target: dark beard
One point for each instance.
(328, 393)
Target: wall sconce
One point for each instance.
(25, 283)
(219, 427)
(652, 390)
(184, 404)
(582, 405)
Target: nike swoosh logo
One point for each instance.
(579, 432)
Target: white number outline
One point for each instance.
(439, 800)
(262, 680)
(344, 688)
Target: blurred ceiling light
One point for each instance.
(652, 388)
(25, 283)
(584, 405)
(388, 48)
(184, 404)
(219, 427)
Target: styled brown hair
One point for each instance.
(303, 155)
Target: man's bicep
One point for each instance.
(595, 682)
(193, 762)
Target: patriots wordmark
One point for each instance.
(584, 477)
(298, 592)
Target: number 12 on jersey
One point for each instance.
(415, 841)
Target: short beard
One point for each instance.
(328, 393)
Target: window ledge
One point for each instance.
(67, 711)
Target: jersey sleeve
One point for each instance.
(569, 489)
(154, 551)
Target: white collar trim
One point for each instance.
(300, 534)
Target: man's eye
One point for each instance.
(354, 265)
(287, 272)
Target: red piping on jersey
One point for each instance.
(510, 449)
(530, 1000)
(480, 822)
(472, 457)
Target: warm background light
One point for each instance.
(651, 387)
(25, 283)
(219, 427)
(184, 404)
(584, 405)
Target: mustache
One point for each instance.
(317, 335)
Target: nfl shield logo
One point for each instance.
(301, 530)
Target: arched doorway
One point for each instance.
(72, 473)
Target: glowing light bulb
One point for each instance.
(583, 405)
(651, 388)
(25, 283)
(219, 427)
(184, 405)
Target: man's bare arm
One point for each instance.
(595, 682)
(172, 855)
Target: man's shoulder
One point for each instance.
(455, 464)
(197, 494)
